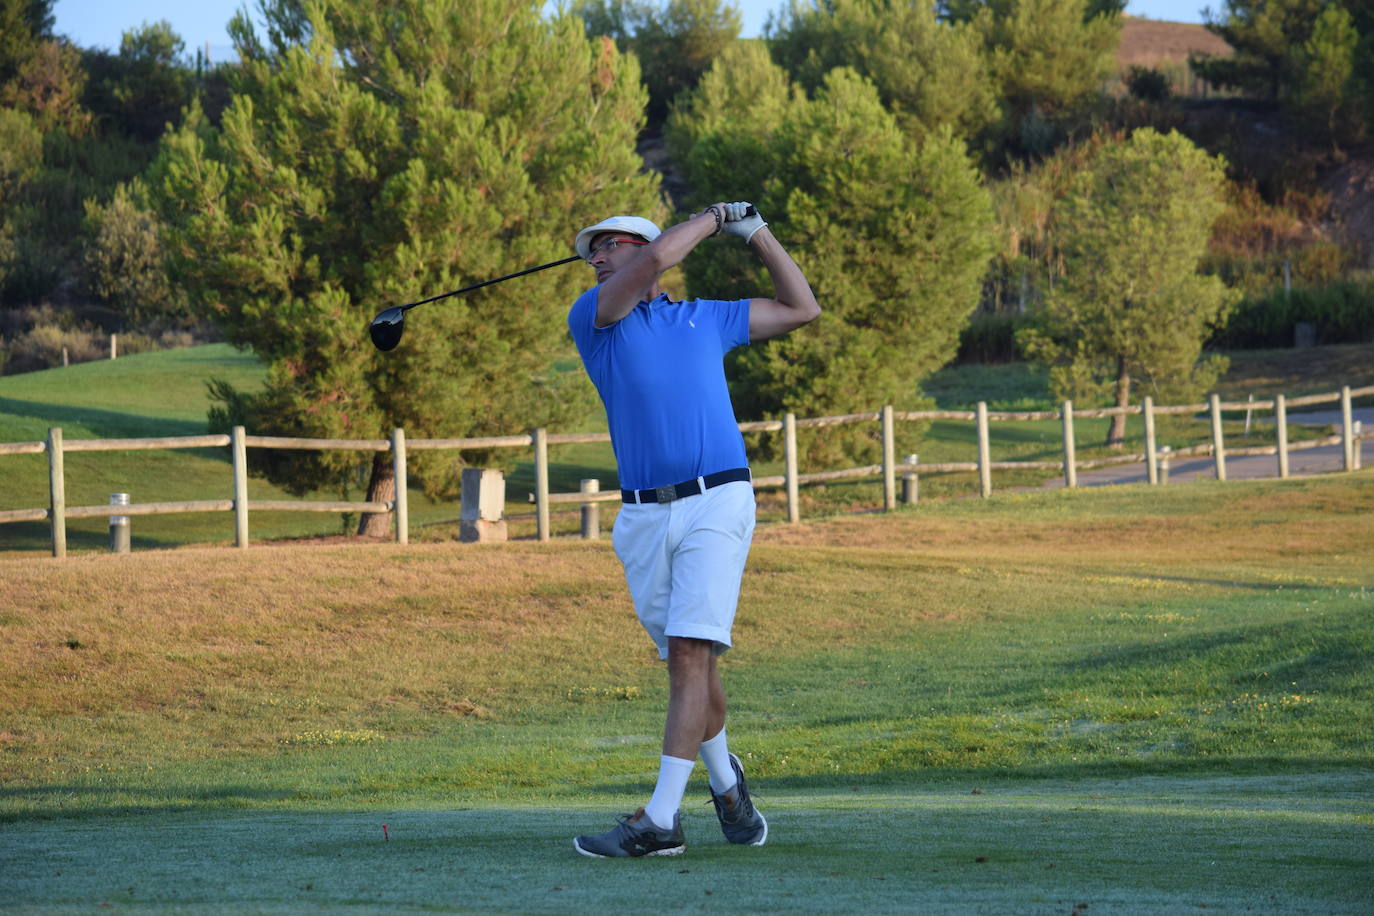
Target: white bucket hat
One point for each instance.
(630, 225)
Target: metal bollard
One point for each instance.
(119, 525)
(591, 511)
(1357, 431)
(910, 485)
(1164, 454)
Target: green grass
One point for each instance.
(999, 705)
(1273, 844)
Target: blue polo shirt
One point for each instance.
(660, 373)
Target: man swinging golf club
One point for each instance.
(684, 530)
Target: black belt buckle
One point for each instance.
(665, 494)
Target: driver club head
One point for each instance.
(387, 327)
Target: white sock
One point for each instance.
(716, 756)
(673, 773)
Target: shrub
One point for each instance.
(1340, 313)
(1148, 83)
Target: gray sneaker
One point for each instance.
(635, 835)
(740, 821)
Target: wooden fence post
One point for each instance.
(1151, 456)
(398, 466)
(911, 491)
(591, 511)
(1070, 460)
(1347, 429)
(889, 460)
(789, 446)
(57, 492)
(1218, 443)
(240, 462)
(1281, 431)
(541, 482)
(984, 452)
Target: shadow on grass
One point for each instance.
(108, 424)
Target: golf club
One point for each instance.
(387, 327)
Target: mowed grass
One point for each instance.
(1132, 699)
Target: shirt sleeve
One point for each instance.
(582, 321)
(732, 318)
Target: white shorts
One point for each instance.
(684, 560)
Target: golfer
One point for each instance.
(684, 530)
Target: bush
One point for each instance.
(1148, 83)
(1339, 313)
(38, 335)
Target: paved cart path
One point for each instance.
(1324, 460)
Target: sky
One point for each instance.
(101, 23)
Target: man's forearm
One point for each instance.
(790, 286)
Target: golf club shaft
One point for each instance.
(518, 273)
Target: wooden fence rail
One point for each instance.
(57, 511)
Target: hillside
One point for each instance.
(1150, 43)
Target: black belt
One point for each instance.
(686, 488)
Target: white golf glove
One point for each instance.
(742, 220)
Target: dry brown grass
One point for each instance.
(1148, 43)
(1292, 372)
(202, 652)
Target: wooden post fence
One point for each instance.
(984, 452)
(57, 493)
(1070, 461)
(398, 465)
(1157, 459)
(889, 460)
(1151, 453)
(240, 462)
(541, 483)
(1281, 431)
(789, 445)
(1218, 445)
(1347, 429)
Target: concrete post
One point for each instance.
(483, 510)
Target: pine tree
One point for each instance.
(894, 237)
(1131, 307)
(931, 74)
(371, 157)
(1325, 90)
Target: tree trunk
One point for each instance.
(381, 488)
(1116, 433)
